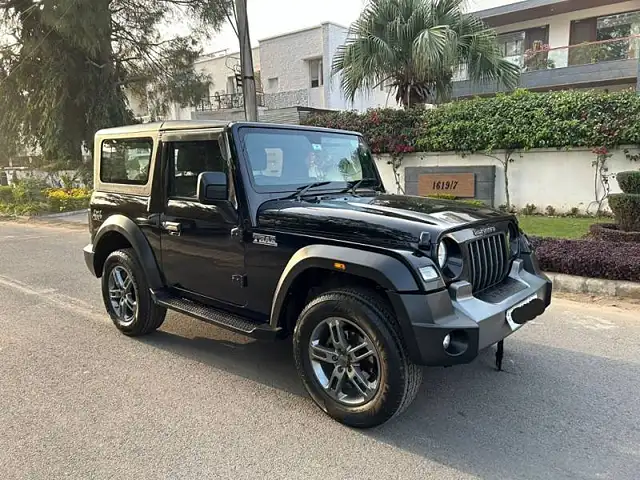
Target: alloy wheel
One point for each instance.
(345, 361)
(123, 295)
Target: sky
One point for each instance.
(268, 18)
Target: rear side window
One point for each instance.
(126, 160)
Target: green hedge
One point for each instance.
(629, 181)
(6, 194)
(626, 208)
(517, 121)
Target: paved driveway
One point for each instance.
(79, 400)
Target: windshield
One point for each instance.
(282, 160)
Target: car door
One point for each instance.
(202, 255)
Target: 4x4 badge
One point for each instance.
(262, 239)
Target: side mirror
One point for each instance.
(212, 186)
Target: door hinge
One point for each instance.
(239, 280)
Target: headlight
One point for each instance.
(513, 239)
(442, 254)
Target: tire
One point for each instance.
(398, 379)
(140, 314)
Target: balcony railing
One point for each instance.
(225, 101)
(541, 57)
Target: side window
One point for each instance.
(126, 160)
(187, 160)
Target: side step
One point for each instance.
(220, 318)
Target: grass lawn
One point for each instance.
(558, 227)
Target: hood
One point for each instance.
(382, 220)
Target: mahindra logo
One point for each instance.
(483, 231)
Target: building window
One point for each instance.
(125, 161)
(231, 84)
(618, 26)
(610, 37)
(273, 84)
(512, 46)
(315, 73)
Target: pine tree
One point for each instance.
(65, 66)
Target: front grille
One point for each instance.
(488, 261)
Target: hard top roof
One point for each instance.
(172, 125)
(163, 126)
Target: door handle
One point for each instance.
(172, 227)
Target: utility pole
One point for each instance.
(246, 63)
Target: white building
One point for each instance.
(225, 94)
(296, 70)
(292, 70)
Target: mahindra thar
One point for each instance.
(277, 230)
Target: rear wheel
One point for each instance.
(126, 295)
(352, 360)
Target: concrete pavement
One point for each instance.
(80, 400)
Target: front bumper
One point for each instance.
(473, 322)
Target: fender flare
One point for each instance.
(132, 232)
(387, 271)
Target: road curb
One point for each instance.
(594, 286)
(63, 214)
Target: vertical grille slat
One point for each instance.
(493, 265)
(499, 257)
(498, 273)
(504, 255)
(485, 262)
(488, 261)
(478, 277)
(472, 265)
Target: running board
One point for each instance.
(220, 318)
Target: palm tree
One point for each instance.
(415, 46)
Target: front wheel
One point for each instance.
(352, 360)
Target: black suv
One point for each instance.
(276, 230)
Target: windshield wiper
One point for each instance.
(353, 187)
(300, 191)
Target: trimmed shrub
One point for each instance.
(629, 181)
(387, 130)
(626, 208)
(67, 200)
(517, 121)
(612, 233)
(29, 191)
(6, 194)
(589, 258)
(443, 196)
(448, 196)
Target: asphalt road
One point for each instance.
(80, 400)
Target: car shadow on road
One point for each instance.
(268, 363)
(549, 414)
